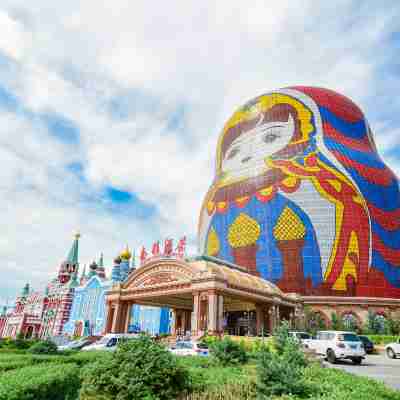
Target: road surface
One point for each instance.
(374, 366)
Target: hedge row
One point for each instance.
(15, 364)
(80, 358)
(383, 339)
(334, 384)
(44, 382)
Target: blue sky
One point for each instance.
(110, 111)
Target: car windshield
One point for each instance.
(202, 346)
(112, 342)
(348, 337)
(184, 345)
(303, 336)
(103, 340)
(78, 342)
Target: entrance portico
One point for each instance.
(206, 295)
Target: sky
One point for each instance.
(110, 111)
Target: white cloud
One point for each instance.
(209, 57)
(14, 40)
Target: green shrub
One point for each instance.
(13, 361)
(139, 369)
(6, 350)
(281, 374)
(44, 382)
(86, 357)
(258, 346)
(43, 347)
(17, 344)
(209, 378)
(209, 340)
(334, 384)
(383, 339)
(393, 326)
(229, 352)
(9, 365)
(8, 356)
(282, 340)
(336, 322)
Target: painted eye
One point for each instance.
(233, 153)
(270, 137)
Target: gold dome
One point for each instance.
(126, 254)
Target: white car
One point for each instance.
(110, 341)
(393, 349)
(338, 345)
(300, 336)
(189, 349)
(74, 345)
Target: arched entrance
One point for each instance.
(29, 332)
(205, 296)
(351, 321)
(78, 329)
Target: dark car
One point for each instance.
(368, 345)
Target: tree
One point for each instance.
(336, 322)
(392, 326)
(314, 321)
(282, 372)
(140, 369)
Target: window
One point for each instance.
(348, 337)
(323, 336)
(350, 321)
(112, 342)
(380, 323)
(304, 336)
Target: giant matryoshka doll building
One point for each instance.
(302, 198)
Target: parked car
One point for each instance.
(110, 341)
(186, 348)
(368, 344)
(300, 336)
(78, 344)
(338, 345)
(393, 349)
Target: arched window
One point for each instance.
(380, 323)
(317, 321)
(350, 322)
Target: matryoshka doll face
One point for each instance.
(246, 155)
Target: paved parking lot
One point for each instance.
(375, 366)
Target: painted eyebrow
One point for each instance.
(236, 147)
(275, 126)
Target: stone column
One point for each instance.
(220, 320)
(196, 314)
(259, 319)
(278, 317)
(173, 325)
(109, 318)
(183, 322)
(116, 318)
(203, 312)
(212, 312)
(271, 313)
(128, 316)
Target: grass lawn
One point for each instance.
(209, 380)
(212, 382)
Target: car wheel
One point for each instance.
(330, 355)
(390, 353)
(357, 360)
